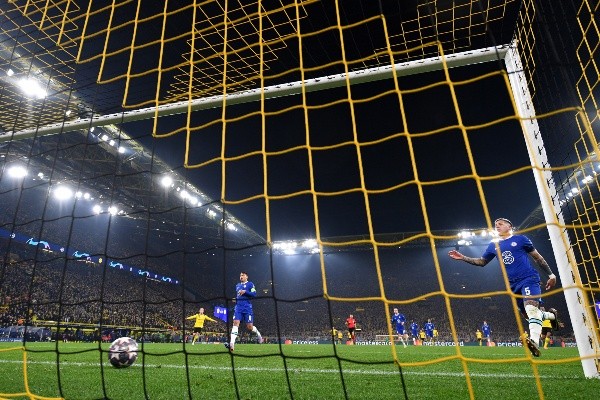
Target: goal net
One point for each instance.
(151, 152)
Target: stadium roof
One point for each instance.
(68, 53)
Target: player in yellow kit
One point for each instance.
(199, 324)
(479, 336)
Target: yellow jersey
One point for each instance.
(546, 323)
(200, 318)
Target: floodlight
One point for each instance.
(78, 195)
(184, 194)
(10, 72)
(97, 209)
(17, 171)
(309, 243)
(62, 192)
(31, 88)
(121, 149)
(113, 210)
(286, 246)
(86, 196)
(166, 181)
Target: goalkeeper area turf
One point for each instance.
(270, 371)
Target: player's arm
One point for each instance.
(251, 292)
(479, 261)
(192, 316)
(210, 319)
(543, 264)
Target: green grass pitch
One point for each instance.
(170, 371)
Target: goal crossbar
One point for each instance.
(293, 88)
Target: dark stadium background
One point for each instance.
(170, 239)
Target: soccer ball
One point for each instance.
(123, 352)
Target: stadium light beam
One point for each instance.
(62, 192)
(166, 181)
(31, 88)
(17, 171)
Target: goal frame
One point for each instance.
(577, 303)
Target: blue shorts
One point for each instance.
(243, 314)
(400, 330)
(530, 288)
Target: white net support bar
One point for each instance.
(270, 92)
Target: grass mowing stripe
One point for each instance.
(297, 370)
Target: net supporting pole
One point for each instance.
(579, 310)
(270, 92)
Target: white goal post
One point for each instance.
(577, 302)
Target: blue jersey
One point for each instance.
(243, 304)
(398, 321)
(515, 255)
(486, 330)
(245, 300)
(414, 329)
(428, 329)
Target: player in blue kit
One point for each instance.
(429, 327)
(414, 331)
(398, 321)
(245, 292)
(486, 329)
(523, 277)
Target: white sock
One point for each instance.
(535, 331)
(549, 315)
(255, 331)
(234, 333)
(535, 322)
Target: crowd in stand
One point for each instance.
(85, 296)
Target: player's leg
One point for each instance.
(237, 317)
(529, 306)
(251, 327)
(234, 335)
(399, 333)
(552, 315)
(546, 340)
(534, 318)
(254, 330)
